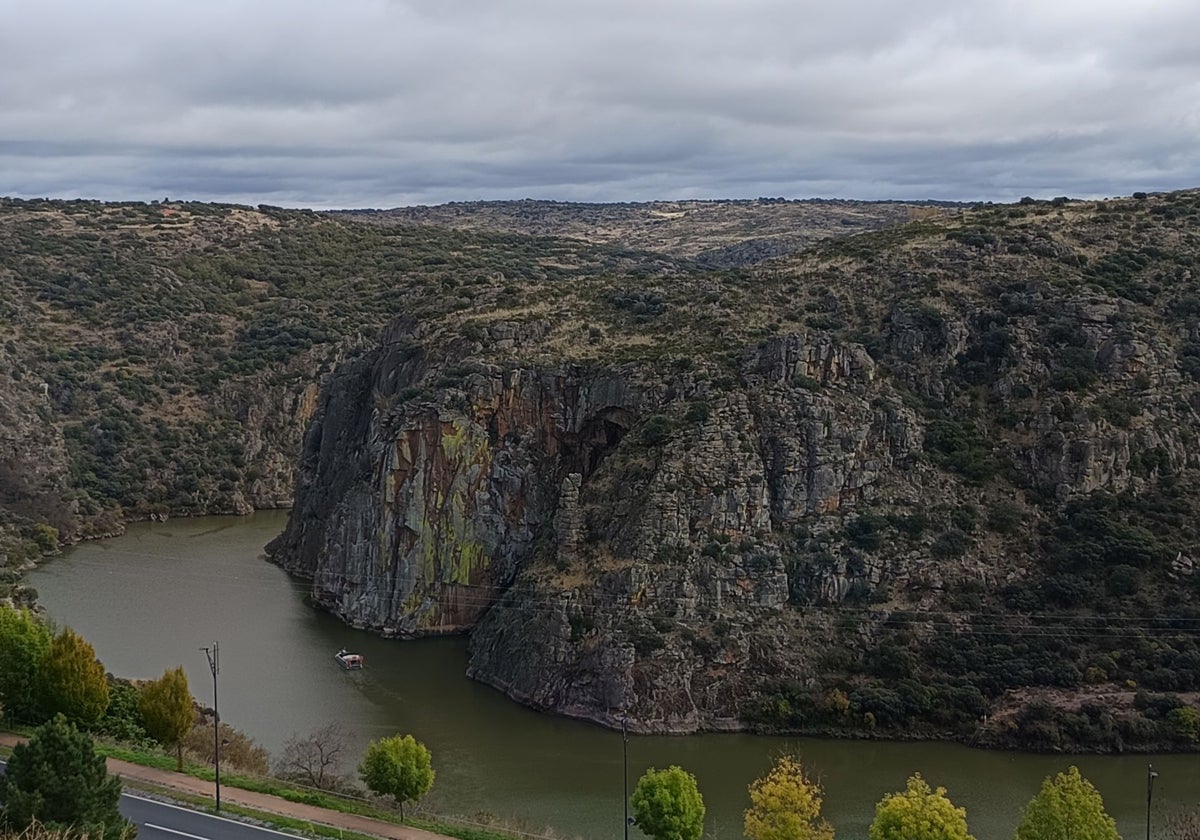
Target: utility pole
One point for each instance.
(214, 664)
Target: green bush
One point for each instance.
(865, 531)
(698, 412)
(656, 430)
(950, 544)
(1005, 517)
(1184, 724)
(959, 446)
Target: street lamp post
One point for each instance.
(214, 664)
(625, 768)
(1151, 775)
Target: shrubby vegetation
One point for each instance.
(43, 675)
(155, 334)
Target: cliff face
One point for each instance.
(162, 360)
(718, 526)
(416, 513)
(625, 543)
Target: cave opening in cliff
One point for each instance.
(597, 437)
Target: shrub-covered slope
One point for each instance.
(163, 359)
(935, 480)
(715, 234)
(930, 481)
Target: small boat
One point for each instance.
(349, 661)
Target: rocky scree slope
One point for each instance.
(935, 481)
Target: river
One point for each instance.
(153, 598)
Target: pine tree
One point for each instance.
(57, 779)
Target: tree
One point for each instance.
(398, 767)
(785, 805)
(72, 680)
(667, 805)
(58, 780)
(168, 712)
(315, 757)
(919, 813)
(23, 644)
(122, 719)
(1067, 806)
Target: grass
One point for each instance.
(306, 796)
(439, 824)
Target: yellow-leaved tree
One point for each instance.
(72, 680)
(1067, 806)
(168, 711)
(919, 813)
(786, 805)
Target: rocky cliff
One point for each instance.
(884, 485)
(164, 359)
(901, 482)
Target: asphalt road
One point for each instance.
(163, 821)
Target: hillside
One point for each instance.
(163, 359)
(714, 234)
(935, 480)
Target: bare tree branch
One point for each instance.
(314, 758)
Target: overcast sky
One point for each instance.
(356, 103)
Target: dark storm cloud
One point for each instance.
(369, 102)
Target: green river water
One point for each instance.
(151, 599)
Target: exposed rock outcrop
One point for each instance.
(701, 544)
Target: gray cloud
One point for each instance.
(377, 103)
